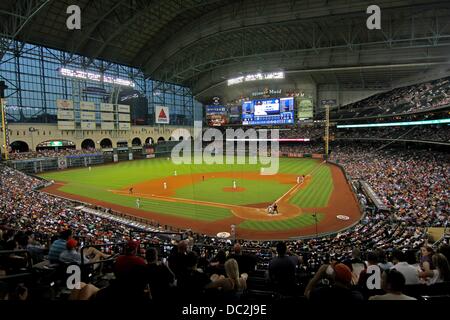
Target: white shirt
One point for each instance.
(435, 278)
(410, 273)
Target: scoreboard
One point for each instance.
(276, 111)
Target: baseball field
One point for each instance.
(309, 194)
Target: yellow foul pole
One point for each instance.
(327, 129)
(4, 129)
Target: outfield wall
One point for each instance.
(39, 165)
(35, 134)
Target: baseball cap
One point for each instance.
(342, 273)
(132, 245)
(71, 244)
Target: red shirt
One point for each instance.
(125, 264)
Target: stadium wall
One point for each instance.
(35, 134)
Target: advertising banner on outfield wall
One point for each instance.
(62, 163)
(162, 114)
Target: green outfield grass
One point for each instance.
(98, 183)
(318, 193)
(300, 221)
(182, 210)
(255, 191)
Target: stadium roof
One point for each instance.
(201, 43)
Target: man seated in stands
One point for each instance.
(393, 283)
(356, 265)
(282, 270)
(337, 285)
(72, 255)
(131, 280)
(410, 273)
(59, 246)
(372, 260)
(125, 263)
(160, 278)
(130, 286)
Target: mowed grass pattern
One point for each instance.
(256, 191)
(300, 221)
(318, 193)
(181, 210)
(98, 183)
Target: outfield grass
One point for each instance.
(300, 221)
(182, 210)
(318, 192)
(256, 191)
(98, 182)
(122, 174)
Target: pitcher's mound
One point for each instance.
(231, 189)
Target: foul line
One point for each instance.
(298, 185)
(289, 193)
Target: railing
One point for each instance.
(401, 140)
(371, 194)
(25, 271)
(96, 246)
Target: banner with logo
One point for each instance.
(62, 163)
(106, 107)
(64, 104)
(162, 114)
(87, 105)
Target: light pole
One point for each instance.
(3, 87)
(315, 220)
(233, 232)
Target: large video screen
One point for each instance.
(268, 111)
(218, 116)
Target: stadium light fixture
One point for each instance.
(272, 140)
(256, 77)
(395, 124)
(92, 76)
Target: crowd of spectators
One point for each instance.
(25, 208)
(419, 97)
(422, 133)
(413, 184)
(303, 131)
(50, 153)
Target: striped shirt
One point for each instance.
(55, 250)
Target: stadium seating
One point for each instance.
(415, 98)
(417, 198)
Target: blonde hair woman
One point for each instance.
(441, 273)
(233, 282)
